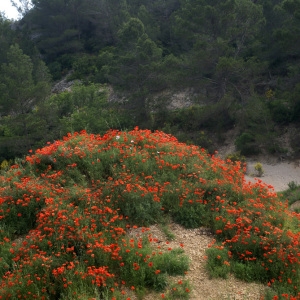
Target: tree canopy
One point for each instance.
(232, 54)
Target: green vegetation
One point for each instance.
(259, 169)
(236, 61)
(292, 193)
(233, 64)
(236, 157)
(70, 210)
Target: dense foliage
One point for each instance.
(66, 212)
(238, 58)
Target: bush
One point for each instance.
(259, 169)
(172, 262)
(236, 157)
(246, 144)
(249, 272)
(292, 193)
(218, 264)
(280, 111)
(190, 215)
(293, 185)
(84, 67)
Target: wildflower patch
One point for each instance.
(66, 212)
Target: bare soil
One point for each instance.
(196, 241)
(279, 175)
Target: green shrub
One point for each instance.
(179, 290)
(190, 215)
(293, 185)
(292, 194)
(280, 111)
(249, 272)
(141, 210)
(84, 67)
(55, 69)
(167, 232)
(235, 157)
(173, 262)
(259, 169)
(246, 144)
(4, 165)
(218, 262)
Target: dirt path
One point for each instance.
(278, 175)
(195, 243)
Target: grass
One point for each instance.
(167, 232)
(66, 212)
(292, 193)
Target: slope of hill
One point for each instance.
(69, 216)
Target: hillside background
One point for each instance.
(198, 69)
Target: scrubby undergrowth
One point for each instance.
(65, 212)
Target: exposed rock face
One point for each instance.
(63, 85)
(170, 99)
(182, 99)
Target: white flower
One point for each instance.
(132, 141)
(117, 137)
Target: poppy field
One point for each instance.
(67, 208)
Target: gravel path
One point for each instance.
(278, 175)
(195, 242)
